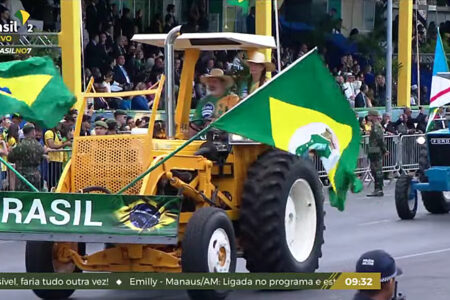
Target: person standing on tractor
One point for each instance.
(258, 67)
(219, 99)
(27, 156)
(377, 149)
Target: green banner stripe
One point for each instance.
(110, 218)
(178, 281)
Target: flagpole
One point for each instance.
(417, 57)
(389, 59)
(277, 30)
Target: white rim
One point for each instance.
(300, 220)
(411, 200)
(219, 252)
(446, 196)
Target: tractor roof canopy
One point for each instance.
(210, 41)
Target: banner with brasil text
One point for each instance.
(301, 110)
(89, 217)
(34, 89)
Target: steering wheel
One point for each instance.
(197, 128)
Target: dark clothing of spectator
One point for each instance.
(138, 23)
(103, 56)
(369, 79)
(118, 50)
(139, 103)
(421, 122)
(103, 11)
(361, 100)
(203, 24)
(380, 95)
(92, 20)
(127, 25)
(250, 24)
(121, 75)
(92, 54)
(389, 127)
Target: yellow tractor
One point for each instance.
(238, 196)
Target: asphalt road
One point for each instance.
(421, 247)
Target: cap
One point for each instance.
(378, 261)
(374, 113)
(120, 112)
(101, 124)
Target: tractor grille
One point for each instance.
(439, 148)
(108, 161)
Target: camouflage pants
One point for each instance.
(34, 177)
(376, 169)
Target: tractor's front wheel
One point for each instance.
(282, 217)
(405, 200)
(209, 246)
(42, 257)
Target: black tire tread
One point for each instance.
(38, 259)
(260, 212)
(193, 256)
(401, 198)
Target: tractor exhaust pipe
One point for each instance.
(170, 81)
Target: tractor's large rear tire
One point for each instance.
(209, 246)
(434, 202)
(282, 217)
(40, 257)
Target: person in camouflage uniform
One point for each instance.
(27, 156)
(376, 151)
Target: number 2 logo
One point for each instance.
(30, 27)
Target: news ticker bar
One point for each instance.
(186, 281)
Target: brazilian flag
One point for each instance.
(34, 89)
(300, 110)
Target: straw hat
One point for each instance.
(259, 58)
(217, 73)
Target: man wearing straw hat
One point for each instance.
(219, 99)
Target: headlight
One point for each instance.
(421, 140)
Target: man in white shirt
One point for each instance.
(349, 89)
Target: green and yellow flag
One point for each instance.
(300, 110)
(34, 89)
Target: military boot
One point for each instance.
(376, 193)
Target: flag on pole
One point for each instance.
(300, 110)
(34, 89)
(440, 86)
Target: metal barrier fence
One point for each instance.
(50, 171)
(410, 155)
(404, 153)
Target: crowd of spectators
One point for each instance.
(406, 123)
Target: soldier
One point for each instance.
(27, 156)
(377, 149)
